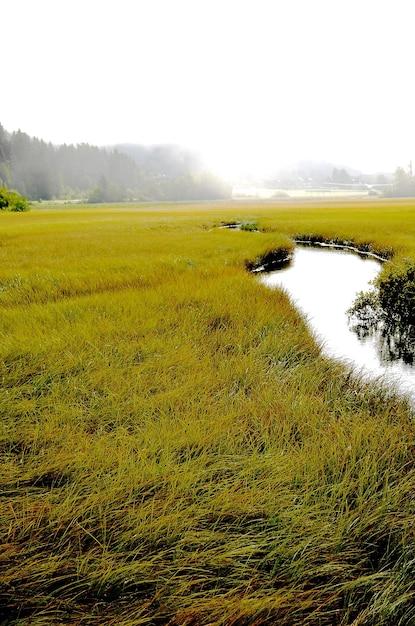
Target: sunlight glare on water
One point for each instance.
(324, 284)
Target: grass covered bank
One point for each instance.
(175, 449)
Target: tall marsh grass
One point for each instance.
(175, 449)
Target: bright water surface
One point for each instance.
(324, 283)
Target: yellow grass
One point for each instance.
(175, 449)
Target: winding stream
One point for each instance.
(324, 283)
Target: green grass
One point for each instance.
(174, 447)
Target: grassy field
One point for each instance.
(174, 447)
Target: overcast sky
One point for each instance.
(251, 84)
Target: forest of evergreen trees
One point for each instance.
(43, 171)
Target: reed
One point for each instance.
(175, 448)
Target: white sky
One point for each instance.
(251, 84)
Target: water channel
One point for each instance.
(323, 283)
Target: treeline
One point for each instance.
(403, 184)
(41, 171)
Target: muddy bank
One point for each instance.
(280, 257)
(270, 261)
(364, 249)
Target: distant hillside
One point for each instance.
(325, 167)
(164, 159)
(42, 171)
(309, 173)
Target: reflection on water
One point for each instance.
(324, 283)
(392, 341)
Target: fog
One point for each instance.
(251, 86)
